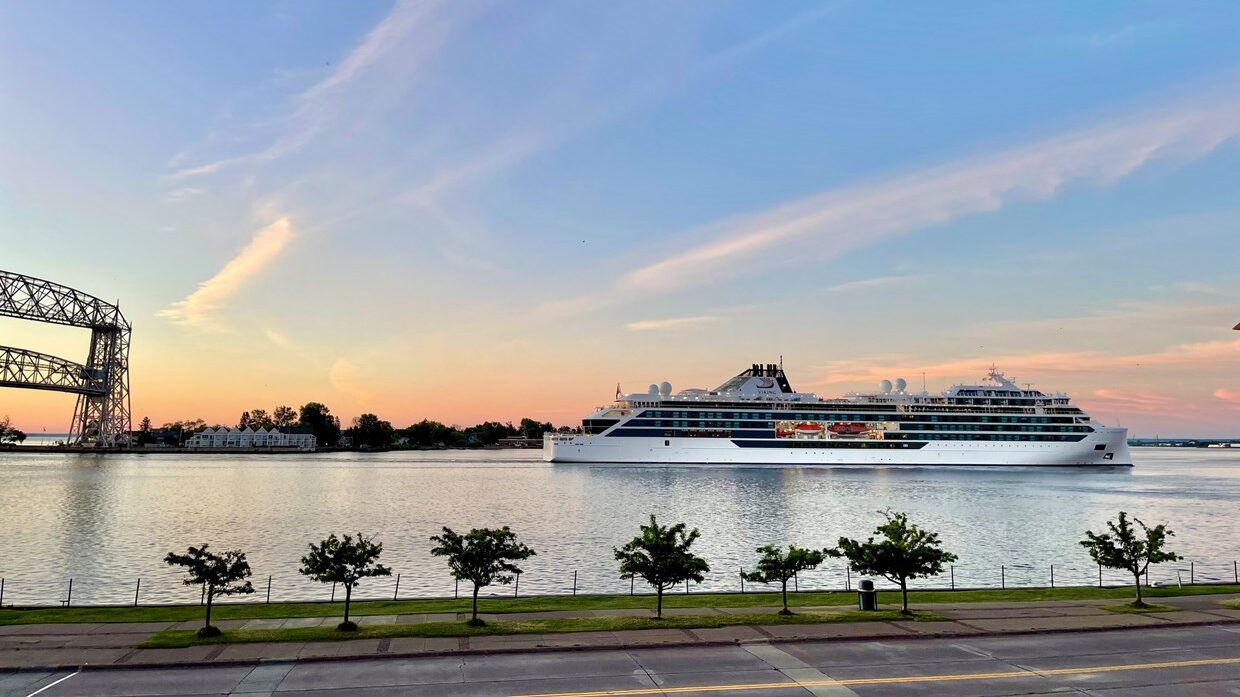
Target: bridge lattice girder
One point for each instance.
(102, 415)
(25, 368)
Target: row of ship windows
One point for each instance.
(767, 426)
(766, 435)
(652, 416)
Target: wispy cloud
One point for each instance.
(279, 338)
(416, 27)
(651, 324)
(1201, 356)
(834, 223)
(1196, 288)
(345, 376)
(198, 309)
(872, 283)
(1228, 395)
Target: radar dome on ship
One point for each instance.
(885, 386)
(901, 383)
(653, 390)
(665, 388)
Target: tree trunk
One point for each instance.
(210, 597)
(904, 595)
(348, 596)
(785, 610)
(1139, 602)
(474, 619)
(659, 611)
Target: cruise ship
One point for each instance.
(756, 418)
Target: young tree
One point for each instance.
(345, 561)
(660, 556)
(219, 574)
(244, 421)
(777, 567)
(482, 557)
(905, 552)
(1124, 548)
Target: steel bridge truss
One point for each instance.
(102, 415)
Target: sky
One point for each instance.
(483, 210)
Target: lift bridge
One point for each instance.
(102, 416)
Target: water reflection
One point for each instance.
(106, 520)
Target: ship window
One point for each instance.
(667, 442)
(1100, 447)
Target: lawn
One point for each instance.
(225, 611)
(181, 639)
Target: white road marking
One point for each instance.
(808, 677)
(54, 684)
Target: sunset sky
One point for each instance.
(484, 210)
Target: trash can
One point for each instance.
(867, 597)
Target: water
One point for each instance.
(106, 520)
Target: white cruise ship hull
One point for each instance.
(950, 453)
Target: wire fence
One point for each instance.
(152, 592)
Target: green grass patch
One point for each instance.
(1149, 607)
(181, 639)
(245, 611)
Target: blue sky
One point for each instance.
(482, 210)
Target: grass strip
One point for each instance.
(246, 611)
(181, 639)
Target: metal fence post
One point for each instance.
(1, 592)
(1235, 572)
(1100, 575)
(1192, 574)
(135, 591)
(397, 591)
(456, 590)
(953, 578)
(516, 588)
(203, 599)
(686, 586)
(574, 582)
(742, 579)
(69, 598)
(1002, 577)
(847, 578)
(1052, 575)
(333, 593)
(632, 581)
(268, 589)
(796, 583)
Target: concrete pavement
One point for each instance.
(71, 645)
(1166, 660)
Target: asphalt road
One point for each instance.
(1155, 662)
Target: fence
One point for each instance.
(829, 578)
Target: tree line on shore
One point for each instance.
(8, 434)
(367, 430)
(660, 555)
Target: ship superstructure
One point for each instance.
(757, 418)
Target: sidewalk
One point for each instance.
(58, 646)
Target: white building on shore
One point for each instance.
(291, 438)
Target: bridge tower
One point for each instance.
(102, 416)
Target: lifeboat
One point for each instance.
(848, 429)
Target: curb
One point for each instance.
(618, 646)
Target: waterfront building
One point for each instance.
(298, 438)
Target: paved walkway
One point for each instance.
(52, 646)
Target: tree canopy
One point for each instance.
(777, 566)
(318, 418)
(9, 434)
(345, 561)
(482, 556)
(660, 556)
(370, 431)
(904, 552)
(1126, 548)
(219, 574)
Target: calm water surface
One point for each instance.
(106, 520)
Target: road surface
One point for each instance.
(1154, 662)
